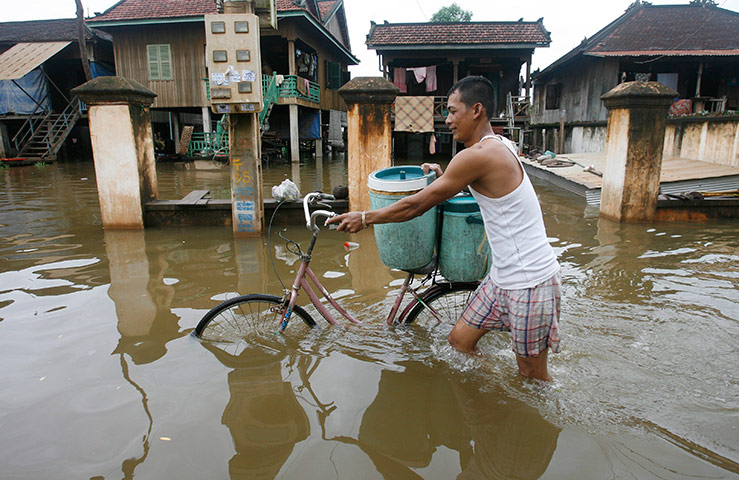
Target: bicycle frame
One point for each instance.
(305, 277)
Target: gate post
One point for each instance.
(369, 133)
(122, 148)
(637, 117)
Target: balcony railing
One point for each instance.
(298, 87)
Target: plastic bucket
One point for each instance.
(406, 245)
(465, 252)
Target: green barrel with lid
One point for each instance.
(464, 255)
(405, 245)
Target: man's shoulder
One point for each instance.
(489, 151)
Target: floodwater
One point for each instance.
(101, 378)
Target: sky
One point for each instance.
(568, 21)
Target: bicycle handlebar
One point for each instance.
(312, 199)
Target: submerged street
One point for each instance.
(103, 380)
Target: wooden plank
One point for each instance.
(194, 197)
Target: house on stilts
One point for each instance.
(425, 59)
(39, 65)
(162, 46)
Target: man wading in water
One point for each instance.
(522, 291)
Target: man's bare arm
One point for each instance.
(459, 174)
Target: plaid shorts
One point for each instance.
(530, 314)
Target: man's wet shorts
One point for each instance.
(530, 314)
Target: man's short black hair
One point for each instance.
(476, 89)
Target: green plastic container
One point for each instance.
(406, 245)
(465, 252)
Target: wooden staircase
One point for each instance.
(41, 137)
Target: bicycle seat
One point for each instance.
(426, 269)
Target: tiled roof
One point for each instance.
(664, 28)
(457, 33)
(161, 9)
(326, 7)
(148, 9)
(43, 31)
(287, 5)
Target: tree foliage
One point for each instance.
(452, 13)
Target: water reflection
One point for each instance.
(143, 308)
(416, 411)
(262, 414)
(142, 300)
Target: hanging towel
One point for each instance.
(432, 144)
(399, 79)
(431, 78)
(420, 73)
(414, 114)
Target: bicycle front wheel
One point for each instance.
(246, 315)
(443, 303)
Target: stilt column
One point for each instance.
(637, 116)
(122, 147)
(369, 133)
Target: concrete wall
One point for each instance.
(709, 139)
(581, 88)
(713, 140)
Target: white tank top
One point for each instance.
(522, 255)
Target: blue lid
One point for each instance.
(461, 204)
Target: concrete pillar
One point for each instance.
(4, 143)
(122, 147)
(294, 135)
(247, 210)
(207, 122)
(637, 116)
(319, 140)
(369, 133)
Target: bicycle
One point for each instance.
(234, 319)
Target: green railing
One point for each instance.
(309, 91)
(208, 144)
(270, 93)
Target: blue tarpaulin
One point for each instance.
(14, 100)
(309, 127)
(99, 70)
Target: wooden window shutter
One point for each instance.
(552, 96)
(333, 75)
(152, 53)
(165, 62)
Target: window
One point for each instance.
(552, 96)
(160, 62)
(335, 78)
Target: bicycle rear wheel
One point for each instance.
(445, 301)
(246, 315)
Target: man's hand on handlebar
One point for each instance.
(350, 222)
(427, 167)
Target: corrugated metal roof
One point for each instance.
(24, 57)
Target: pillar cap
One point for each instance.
(369, 90)
(114, 90)
(639, 94)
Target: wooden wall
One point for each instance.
(187, 45)
(581, 87)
